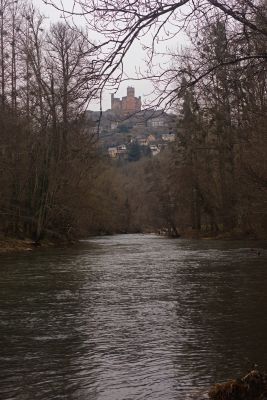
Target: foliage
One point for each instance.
(45, 144)
(134, 151)
(212, 180)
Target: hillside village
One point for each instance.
(127, 132)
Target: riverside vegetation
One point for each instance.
(252, 386)
(56, 184)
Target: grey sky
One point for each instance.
(135, 60)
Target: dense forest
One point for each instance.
(55, 181)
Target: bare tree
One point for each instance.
(119, 24)
(46, 146)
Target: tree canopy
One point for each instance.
(118, 24)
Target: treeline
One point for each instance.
(219, 166)
(55, 182)
(48, 156)
(213, 180)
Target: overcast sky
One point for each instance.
(134, 61)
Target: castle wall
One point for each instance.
(130, 104)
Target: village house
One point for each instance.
(169, 137)
(154, 149)
(156, 122)
(122, 149)
(113, 152)
(151, 139)
(142, 141)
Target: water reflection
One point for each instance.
(43, 342)
(130, 317)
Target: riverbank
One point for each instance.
(253, 386)
(235, 234)
(11, 245)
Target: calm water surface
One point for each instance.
(130, 317)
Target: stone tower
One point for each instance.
(130, 91)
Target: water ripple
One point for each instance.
(130, 317)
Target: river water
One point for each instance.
(131, 317)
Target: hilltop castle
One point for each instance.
(128, 104)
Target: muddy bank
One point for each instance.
(11, 245)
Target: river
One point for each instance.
(131, 317)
